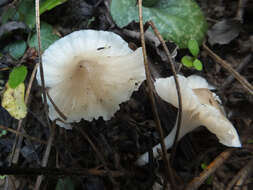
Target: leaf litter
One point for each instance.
(130, 132)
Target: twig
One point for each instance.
(46, 155)
(37, 13)
(15, 150)
(179, 96)
(240, 176)
(243, 63)
(23, 135)
(168, 171)
(29, 87)
(18, 140)
(58, 171)
(100, 156)
(5, 69)
(240, 10)
(245, 84)
(245, 172)
(219, 160)
(61, 114)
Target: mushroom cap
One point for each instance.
(195, 81)
(89, 73)
(199, 108)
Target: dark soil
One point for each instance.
(132, 131)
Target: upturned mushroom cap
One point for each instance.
(199, 107)
(89, 73)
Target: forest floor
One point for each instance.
(100, 154)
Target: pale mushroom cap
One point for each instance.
(195, 81)
(89, 73)
(199, 108)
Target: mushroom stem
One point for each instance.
(168, 141)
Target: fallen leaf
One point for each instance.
(13, 101)
(224, 32)
(11, 26)
(4, 2)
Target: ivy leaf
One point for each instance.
(50, 4)
(187, 61)
(8, 14)
(16, 49)
(149, 3)
(26, 12)
(193, 46)
(47, 37)
(176, 20)
(197, 65)
(17, 76)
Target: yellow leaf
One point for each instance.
(13, 101)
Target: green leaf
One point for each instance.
(17, 76)
(47, 37)
(3, 133)
(209, 180)
(50, 4)
(197, 64)
(193, 46)
(187, 61)
(2, 177)
(16, 49)
(176, 20)
(26, 11)
(203, 166)
(65, 183)
(149, 3)
(8, 14)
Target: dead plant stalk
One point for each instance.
(169, 170)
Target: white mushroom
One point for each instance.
(89, 73)
(199, 107)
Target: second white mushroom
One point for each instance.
(200, 107)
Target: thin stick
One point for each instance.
(212, 167)
(61, 114)
(241, 175)
(101, 158)
(16, 150)
(241, 66)
(245, 173)
(240, 10)
(179, 96)
(169, 171)
(245, 84)
(37, 12)
(58, 171)
(46, 155)
(23, 135)
(29, 87)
